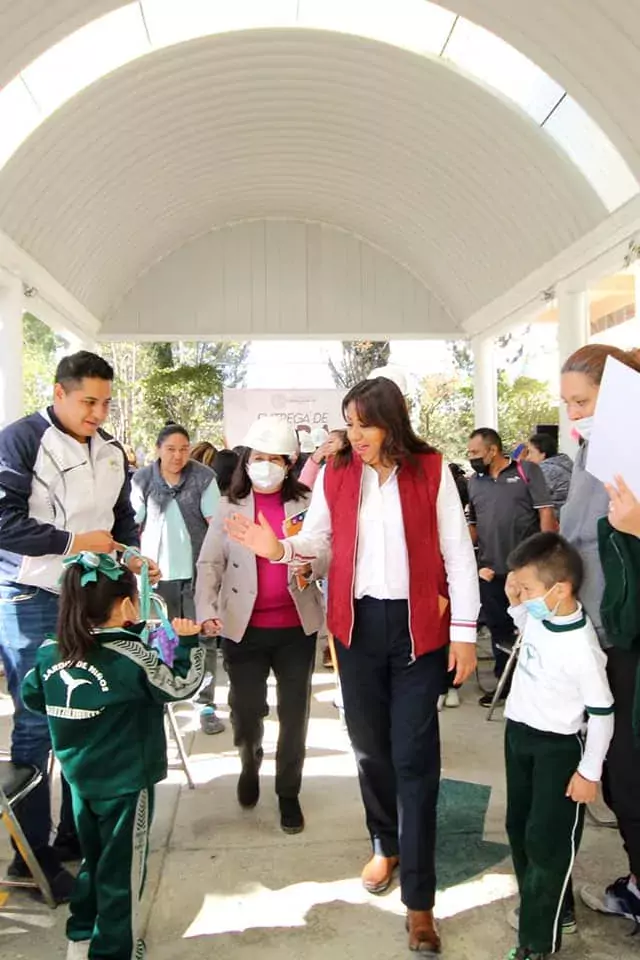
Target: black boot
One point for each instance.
(291, 816)
(249, 780)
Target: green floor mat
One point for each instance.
(461, 853)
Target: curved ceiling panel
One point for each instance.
(419, 26)
(452, 182)
(278, 278)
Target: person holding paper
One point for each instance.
(624, 508)
(268, 615)
(402, 586)
(588, 504)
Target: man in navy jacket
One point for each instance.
(64, 488)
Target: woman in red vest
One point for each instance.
(403, 586)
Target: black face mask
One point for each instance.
(478, 464)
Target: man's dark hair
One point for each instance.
(491, 437)
(72, 370)
(545, 443)
(555, 560)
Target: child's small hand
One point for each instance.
(513, 590)
(184, 627)
(581, 790)
(486, 573)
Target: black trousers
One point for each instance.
(391, 709)
(544, 828)
(291, 656)
(494, 609)
(621, 778)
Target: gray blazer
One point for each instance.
(227, 576)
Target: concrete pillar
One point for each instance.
(11, 309)
(485, 382)
(573, 333)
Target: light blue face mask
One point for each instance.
(538, 609)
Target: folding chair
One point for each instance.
(16, 783)
(177, 736)
(506, 674)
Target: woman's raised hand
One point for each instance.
(624, 510)
(257, 537)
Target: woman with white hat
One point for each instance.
(269, 615)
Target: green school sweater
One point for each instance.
(106, 713)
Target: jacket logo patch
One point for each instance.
(72, 684)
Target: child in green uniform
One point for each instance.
(103, 690)
(551, 770)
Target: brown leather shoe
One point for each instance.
(423, 936)
(378, 873)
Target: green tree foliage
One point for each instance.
(40, 349)
(522, 405)
(183, 382)
(446, 405)
(359, 358)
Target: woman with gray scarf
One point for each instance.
(174, 499)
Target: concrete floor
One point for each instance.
(228, 883)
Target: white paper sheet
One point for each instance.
(614, 447)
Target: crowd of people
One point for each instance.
(253, 550)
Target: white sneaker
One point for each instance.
(78, 950)
(452, 698)
(441, 702)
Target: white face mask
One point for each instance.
(584, 427)
(265, 475)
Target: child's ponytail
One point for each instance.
(91, 584)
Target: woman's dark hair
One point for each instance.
(545, 443)
(224, 465)
(240, 487)
(169, 431)
(82, 609)
(591, 360)
(204, 452)
(380, 403)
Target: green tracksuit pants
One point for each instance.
(114, 837)
(544, 828)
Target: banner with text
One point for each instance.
(304, 409)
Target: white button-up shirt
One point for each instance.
(382, 562)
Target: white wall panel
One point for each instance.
(278, 279)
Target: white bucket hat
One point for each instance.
(272, 435)
(393, 373)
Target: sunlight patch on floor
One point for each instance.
(258, 906)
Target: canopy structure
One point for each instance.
(313, 168)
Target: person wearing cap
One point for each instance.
(403, 606)
(268, 614)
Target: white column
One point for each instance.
(11, 308)
(485, 382)
(573, 333)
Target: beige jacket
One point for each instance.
(227, 576)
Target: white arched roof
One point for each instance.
(448, 179)
(466, 162)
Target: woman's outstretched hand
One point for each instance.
(257, 537)
(624, 510)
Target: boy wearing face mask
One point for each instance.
(551, 771)
(269, 615)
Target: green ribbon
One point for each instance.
(93, 564)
